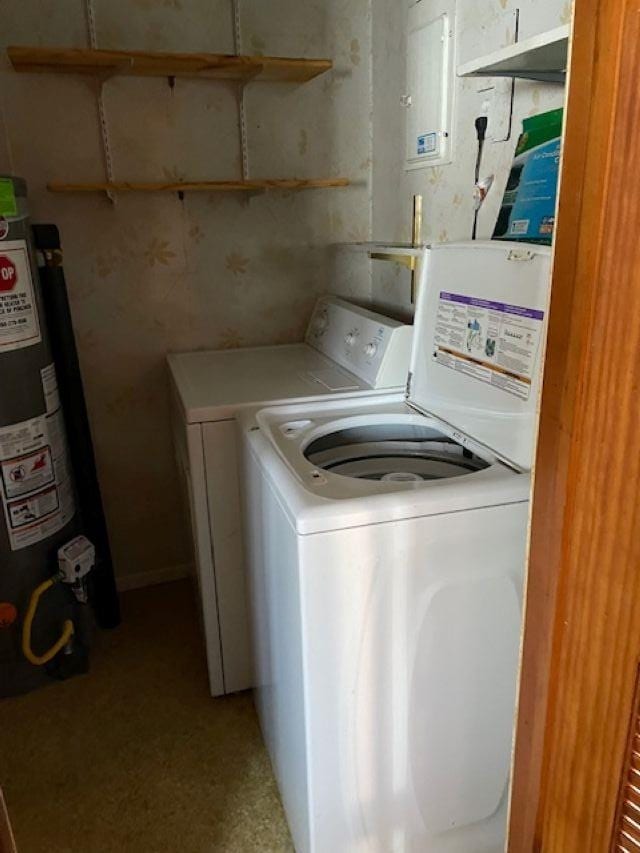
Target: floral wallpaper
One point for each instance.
(153, 274)
(481, 26)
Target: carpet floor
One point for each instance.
(136, 756)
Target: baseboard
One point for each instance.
(137, 580)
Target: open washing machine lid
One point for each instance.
(479, 340)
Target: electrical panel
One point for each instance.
(430, 82)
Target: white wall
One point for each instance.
(481, 26)
(154, 274)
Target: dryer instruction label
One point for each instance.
(19, 326)
(493, 342)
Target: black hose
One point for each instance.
(481, 132)
(104, 598)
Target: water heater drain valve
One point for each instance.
(75, 561)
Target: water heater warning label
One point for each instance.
(27, 473)
(32, 508)
(35, 483)
(19, 326)
(492, 342)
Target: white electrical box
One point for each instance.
(430, 82)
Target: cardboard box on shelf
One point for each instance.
(529, 202)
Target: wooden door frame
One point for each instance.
(7, 840)
(582, 625)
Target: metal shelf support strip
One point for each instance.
(102, 113)
(242, 119)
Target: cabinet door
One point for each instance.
(430, 82)
(225, 520)
(576, 759)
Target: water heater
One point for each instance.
(37, 497)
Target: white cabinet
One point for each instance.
(430, 82)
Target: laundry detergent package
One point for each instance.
(529, 202)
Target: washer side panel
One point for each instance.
(411, 636)
(194, 471)
(225, 520)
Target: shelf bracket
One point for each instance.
(106, 143)
(244, 142)
(242, 118)
(102, 113)
(408, 261)
(404, 260)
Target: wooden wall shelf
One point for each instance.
(142, 63)
(252, 185)
(104, 64)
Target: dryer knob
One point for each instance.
(371, 349)
(350, 339)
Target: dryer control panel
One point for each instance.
(375, 348)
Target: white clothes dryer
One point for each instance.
(349, 351)
(387, 542)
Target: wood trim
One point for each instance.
(582, 630)
(626, 833)
(7, 840)
(153, 577)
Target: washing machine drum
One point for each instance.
(393, 452)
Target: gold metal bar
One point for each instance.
(408, 261)
(416, 235)
(416, 239)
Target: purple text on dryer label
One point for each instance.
(503, 307)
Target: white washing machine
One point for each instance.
(349, 352)
(387, 543)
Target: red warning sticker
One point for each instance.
(8, 274)
(19, 325)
